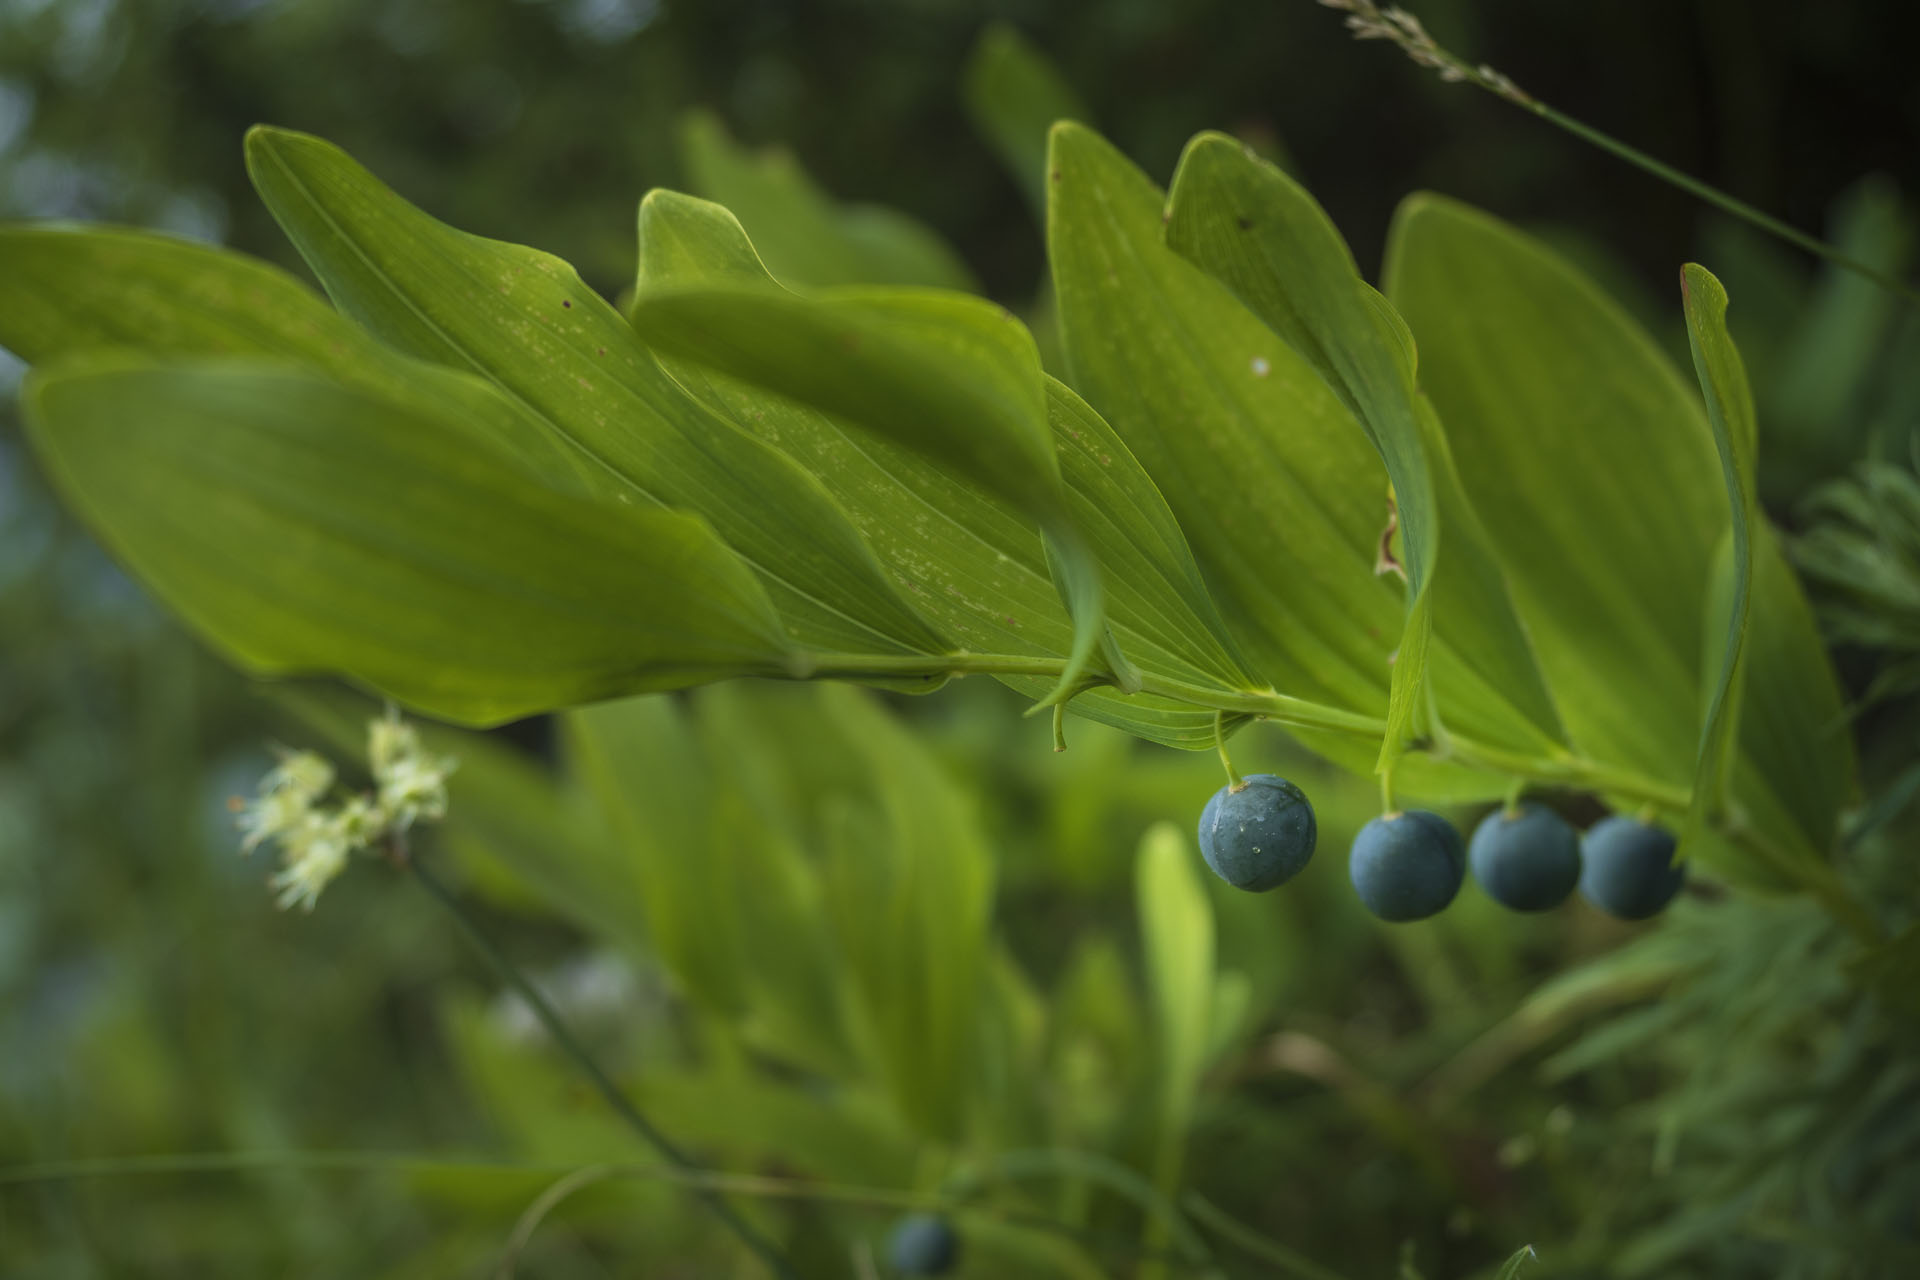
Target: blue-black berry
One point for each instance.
(1526, 860)
(922, 1244)
(1260, 836)
(1630, 872)
(1407, 866)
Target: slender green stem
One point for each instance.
(1249, 1241)
(1234, 781)
(1563, 770)
(1118, 1178)
(1570, 771)
(1266, 704)
(622, 1106)
(543, 1205)
(1511, 804)
(811, 666)
(1716, 197)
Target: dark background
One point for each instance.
(544, 121)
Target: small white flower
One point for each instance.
(285, 799)
(312, 855)
(390, 739)
(360, 821)
(413, 783)
(317, 841)
(415, 789)
(304, 773)
(268, 816)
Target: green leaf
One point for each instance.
(805, 238)
(1014, 94)
(1797, 770)
(69, 290)
(523, 320)
(1517, 1262)
(1595, 472)
(950, 376)
(1588, 461)
(1176, 930)
(1154, 590)
(301, 525)
(909, 886)
(769, 763)
(1729, 403)
(970, 560)
(1487, 677)
(1283, 500)
(1261, 234)
(639, 761)
(1174, 364)
(756, 1117)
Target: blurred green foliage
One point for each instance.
(1729, 1093)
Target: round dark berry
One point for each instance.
(923, 1245)
(1527, 860)
(1259, 836)
(1629, 872)
(1407, 866)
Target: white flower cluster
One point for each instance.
(316, 838)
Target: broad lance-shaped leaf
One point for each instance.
(1487, 678)
(1796, 769)
(1723, 380)
(523, 320)
(1282, 498)
(909, 893)
(804, 236)
(970, 560)
(1262, 235)
(1589, 461)
(1014, 95)
(1177, 936)
(67, 290)
(951, 376)
(1256, 231)
(661, 830)
(303, 525)
(1771, 689)
(731, 897)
